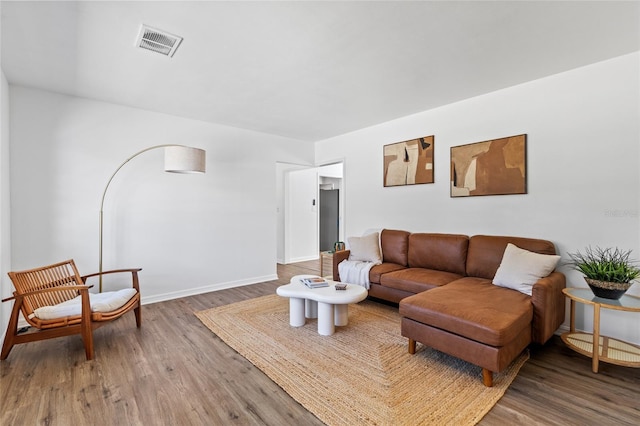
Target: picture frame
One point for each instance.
(493, 167)
(409, 162)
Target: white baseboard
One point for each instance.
(205, 289)
(304, 259)
(562, 329)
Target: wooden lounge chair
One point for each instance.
(55, 301)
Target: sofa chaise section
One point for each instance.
(484, 324)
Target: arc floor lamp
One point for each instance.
(177, 159)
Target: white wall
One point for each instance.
(5, 214)
(189, 233)
(583, 132)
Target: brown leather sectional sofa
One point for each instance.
(443, 284)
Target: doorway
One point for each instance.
(329, 217)
(310, 210)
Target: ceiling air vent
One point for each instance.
(158, 41)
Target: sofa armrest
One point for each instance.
(548, 306)
(338, 257)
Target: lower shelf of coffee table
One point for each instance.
(610, 350)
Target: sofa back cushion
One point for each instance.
(486, 251)
(442, 252)
(395, 246)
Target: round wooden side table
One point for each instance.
(601, 348)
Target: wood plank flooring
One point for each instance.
(174, 371)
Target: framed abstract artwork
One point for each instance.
(495, 167)
(409, 162)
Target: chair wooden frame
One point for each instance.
(54, 284)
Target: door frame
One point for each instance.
(342, 199)
(282, 256)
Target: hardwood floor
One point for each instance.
(174, 371)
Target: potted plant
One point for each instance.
(609, 272)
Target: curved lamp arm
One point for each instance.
(177, 159)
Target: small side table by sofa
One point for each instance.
(601, 348)
(328, 255)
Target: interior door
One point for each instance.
(301, 215)
(329, 218)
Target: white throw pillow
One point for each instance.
(365, 248)
(521, 269)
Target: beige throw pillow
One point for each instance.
(365, 248)
(520, 269)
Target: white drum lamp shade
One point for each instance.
(184, 159)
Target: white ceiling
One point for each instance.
(306, 70)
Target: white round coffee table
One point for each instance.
(327, 304)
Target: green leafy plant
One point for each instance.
(609, 264)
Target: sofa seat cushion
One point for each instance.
(474, 308)
(417, 280)
(378, 270)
